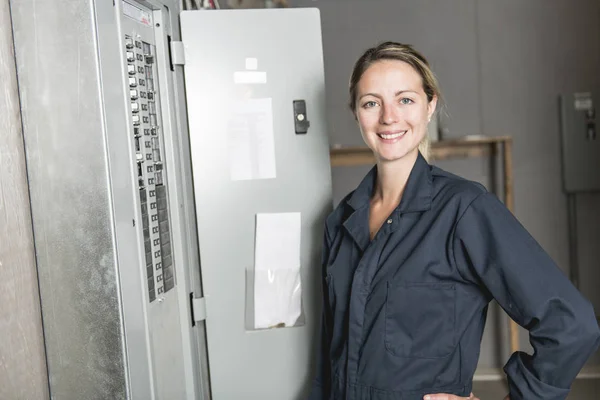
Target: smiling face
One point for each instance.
(392, 109)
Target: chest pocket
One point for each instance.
(420, 319)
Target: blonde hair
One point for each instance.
(400, 52)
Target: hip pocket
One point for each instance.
(420, 319)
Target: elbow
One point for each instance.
(594, 342)
(588, 331)
(570, 325)
(592, 334)
(589, 340)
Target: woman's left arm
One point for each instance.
(494, 250)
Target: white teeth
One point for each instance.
(392, 136)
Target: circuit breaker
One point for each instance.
(580, 138)
(145, 116)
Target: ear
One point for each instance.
(431, 106)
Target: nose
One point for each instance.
(389, 114)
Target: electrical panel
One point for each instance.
(147, 136)
(580, 141)
(119, 325)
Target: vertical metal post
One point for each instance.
(509, 202)
(573, 242)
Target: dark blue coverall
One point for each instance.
(404, 313)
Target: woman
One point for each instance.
(413, 256)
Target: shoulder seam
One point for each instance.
(469, 206)
(456, 226)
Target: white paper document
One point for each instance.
(250, 140)
(277, 283)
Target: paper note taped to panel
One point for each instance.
(277, 282)
(250, 140)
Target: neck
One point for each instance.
(392, 177)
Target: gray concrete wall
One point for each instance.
(501, 65)
(22, 358)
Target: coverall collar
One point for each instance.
(416, 197)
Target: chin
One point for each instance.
(388, 156)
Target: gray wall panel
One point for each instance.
(23, 372)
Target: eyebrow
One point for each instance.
(398, 93)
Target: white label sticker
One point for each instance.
(137, 14)
(250, 77)
(250, 139)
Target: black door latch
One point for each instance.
(301, 122)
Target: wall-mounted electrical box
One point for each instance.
(580, 135)
(150, 155)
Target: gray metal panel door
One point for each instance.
(272, 58)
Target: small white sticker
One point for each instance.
(251, 64)
(583, 101)
(137, 14)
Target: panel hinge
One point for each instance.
(177, 53)
(198, 306)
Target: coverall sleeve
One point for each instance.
(321, 384)
(494, 250)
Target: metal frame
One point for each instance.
(180, 197)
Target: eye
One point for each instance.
(369, 104)
(406, 101)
